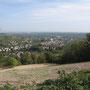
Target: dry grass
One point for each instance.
(21, 75)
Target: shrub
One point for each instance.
(72, 81)
(8, 61)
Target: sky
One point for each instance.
(44, 15)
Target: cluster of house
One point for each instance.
(14, 46)
(54, 42)
(46, 45)
(59, 43)
(5, 49)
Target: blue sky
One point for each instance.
(44, 15)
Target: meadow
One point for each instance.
(37, 73)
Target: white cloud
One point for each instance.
(65, 11)
(46, 16)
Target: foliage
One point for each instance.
(8, 61)
(48, 57)
(79, 51)
(88, 37)
(72, 81)
(41, 58)
(36, 48)
(26, 59)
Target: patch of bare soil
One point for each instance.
(32, 66)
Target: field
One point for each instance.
(22, 75)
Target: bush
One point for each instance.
(72, 81)
(8, 62)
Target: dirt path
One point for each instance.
(32, 66)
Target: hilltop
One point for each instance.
(27, 74)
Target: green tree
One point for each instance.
(34, 56)
(10, 61)
(88, 37)
(41, 58)
(36, 48)
(48, 57)
(26, 59)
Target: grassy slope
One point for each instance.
(19, 76)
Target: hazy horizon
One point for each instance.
(45, 16)
(42, 32)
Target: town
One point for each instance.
(17, 45)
